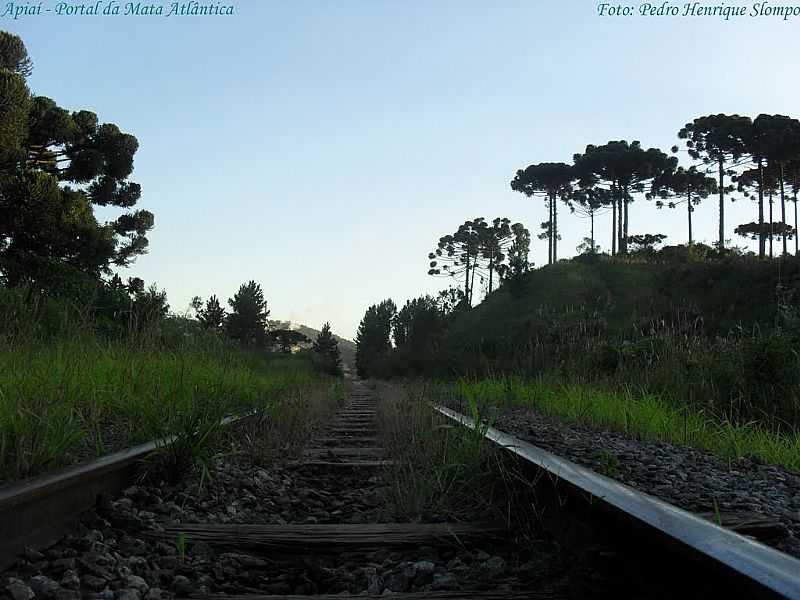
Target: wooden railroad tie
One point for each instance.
(753, 524)
(360, 413)
(331, 537)
(352, 439)
(367, 431)
(543, 594)
(359, 464)
(334, 451)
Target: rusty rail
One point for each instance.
(36, 512)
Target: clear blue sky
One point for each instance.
(321, 147)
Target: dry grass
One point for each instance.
(281, 432)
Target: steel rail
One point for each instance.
(763, 571)
(38, 511)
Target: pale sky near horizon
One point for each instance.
(322, 147)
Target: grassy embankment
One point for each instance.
(703, 353)
(643, 417)
(70, 396)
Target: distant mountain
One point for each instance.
(347, 348)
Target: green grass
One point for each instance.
(643, 417)
(63, 401)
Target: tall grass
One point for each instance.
(639, 416)
(68, 399)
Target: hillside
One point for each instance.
(722, 294)
(701, 329)
(347, 348)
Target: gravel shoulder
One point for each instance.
(686, 477)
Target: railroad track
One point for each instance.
(332, 536)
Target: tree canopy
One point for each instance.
(477, 249)
(247, 321)
(683, 186)
(373, 340)
(326, 348)
(718, 140)
(622, 168)
(553, 182)
(212, 316)
(55, 166)
(14, 55)
(286, 339)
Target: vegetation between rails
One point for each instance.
(283, 430)
(440, 470)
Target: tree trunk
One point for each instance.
(466, 281)
(795, 223)
(770, 224)
(613, 222)
(472, 280)
(721, 204)
(783, 211)
(549, 230)
(591, 218)
(626, 202)
(555, 229)
(689, 210)
(491, 272)
(761, 238)
(620, 213)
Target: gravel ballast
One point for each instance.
(115, 553)
(686, 477)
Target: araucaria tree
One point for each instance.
(645, 243)
(553, 182)
(247, 321)
(494, 239)
(373, 341)
(55, 165)
(589, 200)
(757, 146)
(720, 142)
(477, 249)
(781, 145)
(683, 186)
(793, 179)
(456, 255)
(756, 231)
(622, 169)
(763, 179)
(326, 348)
